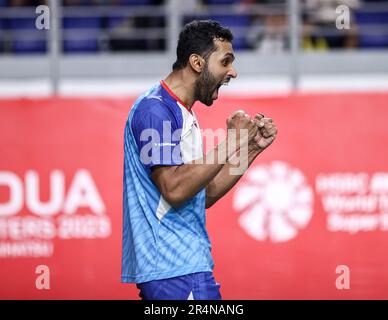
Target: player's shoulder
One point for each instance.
(152, 108)
(155, 104)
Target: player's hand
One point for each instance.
(266, 134)
(241, 120)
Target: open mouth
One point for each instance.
(215, 92)
(224, 82)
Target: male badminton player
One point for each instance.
(169, 182)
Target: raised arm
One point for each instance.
(180, 183)
(227, 177)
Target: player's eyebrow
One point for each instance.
(229, 54)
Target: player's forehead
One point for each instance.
(224, 49)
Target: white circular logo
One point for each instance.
(275, 201)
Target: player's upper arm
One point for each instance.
(157, 133)
(167, 180)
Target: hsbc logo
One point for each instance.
(275, 202)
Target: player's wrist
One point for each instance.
(231, 148)
(255, 149)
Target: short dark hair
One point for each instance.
(198, 37)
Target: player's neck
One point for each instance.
(180, 83)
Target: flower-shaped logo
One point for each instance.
(275, 202)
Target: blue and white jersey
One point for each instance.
(159, 241)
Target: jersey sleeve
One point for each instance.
(157, 133)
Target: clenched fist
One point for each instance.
(239, 120)
(266, 134)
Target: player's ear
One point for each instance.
(196, 62)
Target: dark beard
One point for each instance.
(205, 86)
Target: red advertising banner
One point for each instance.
(309, 219)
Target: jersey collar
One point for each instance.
(173, 95)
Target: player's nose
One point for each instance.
(232, 72)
